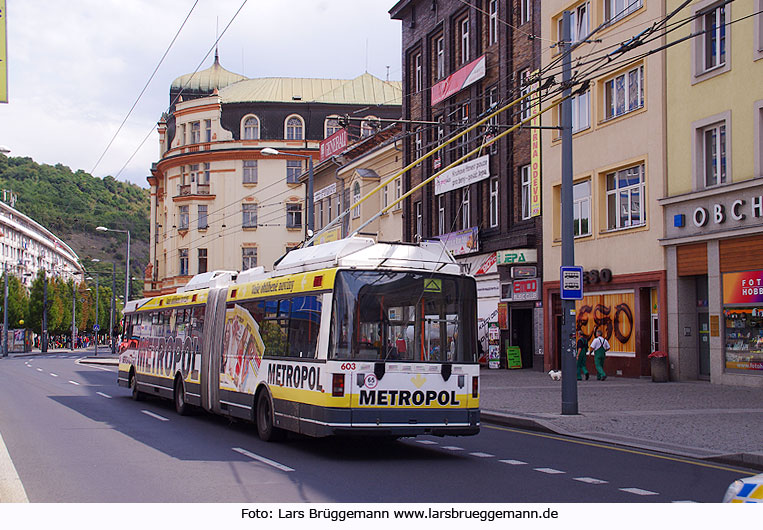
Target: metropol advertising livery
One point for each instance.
(348, 337)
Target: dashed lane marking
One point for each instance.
(549, 470)
(482, 455)
(453, 448)
(514, 462)
(39, 369)
(426, 442)
(104, 395)
(590, 480)
(155, 416)
(53, 375)
(638, 491)
(262, 459)
(74, 382)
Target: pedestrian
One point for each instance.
(582, 347)
(599, 347)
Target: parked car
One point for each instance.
(749, 489)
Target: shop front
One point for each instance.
(714, 250)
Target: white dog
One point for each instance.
(556, 375)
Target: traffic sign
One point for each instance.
(571, 278)
(96, 327)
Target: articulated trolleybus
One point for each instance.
(348, 337)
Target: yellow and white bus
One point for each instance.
(348, 337)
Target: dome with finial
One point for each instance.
(205, 82)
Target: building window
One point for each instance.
(328, 210)
(524, 89)
(624, 93)
(581, 208)
(625, 194)
(417, 73)
(465, 209)
(319, 215)
(581, 112)
(294, 128)
(464, 33)
(202, 223)
(249, 212)
(207, 130)
(440, 53)
(194, 172)
(493, 22)
(355, 199)
(419, 144)
(398, 192)
(614, 10)
(526, 11)
(293, 171)
(202, 260)
(579, 23)
(493, 202)
(758, 31)
(385, 196)
(248, 258)
(714, 154)
(250, 172)
(183, 220)
(419, 221)
(441, 214)
(368, 125)
(492, 123)
(714, 38)
(525, 172)
(293, 215)
(332, 125)
(183, 253)
(204, 175)
(251, 128)
(195, 132)
(461, 114)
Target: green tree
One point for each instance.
(34, 318)
(18, 302)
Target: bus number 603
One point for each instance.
(348, 366)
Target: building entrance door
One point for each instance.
(704, 345)
(522, 334)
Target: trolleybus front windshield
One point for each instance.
(403, 316)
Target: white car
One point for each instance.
(748, 489)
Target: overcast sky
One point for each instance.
(76, 67)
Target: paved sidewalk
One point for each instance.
(694, 418)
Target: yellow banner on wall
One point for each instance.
(613, 314)
(535, 130)
(3, 55)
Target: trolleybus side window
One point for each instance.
(304, 321)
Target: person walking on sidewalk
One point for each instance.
(599, 347)
(582, 347)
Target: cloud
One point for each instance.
(75, 68)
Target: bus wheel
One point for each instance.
(181, 406)
(264, 417)
(137, 395)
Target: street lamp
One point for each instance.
(127, 265)
(97, 326)
(309, 224)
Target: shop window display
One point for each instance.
(744, 338)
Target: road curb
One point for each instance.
(747, 460)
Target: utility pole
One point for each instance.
(97, 328)
(569, 379)
(44, 344)
(113, 307)
(74, 313)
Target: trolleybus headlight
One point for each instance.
(475, 386)
(337, 385)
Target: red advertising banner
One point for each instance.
(333, 144)
(743, 287)
(458, 80)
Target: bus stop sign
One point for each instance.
(571, 278)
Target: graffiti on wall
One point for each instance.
(612, 314)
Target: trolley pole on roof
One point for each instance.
(568, 364)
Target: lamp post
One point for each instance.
(44, 344)
(127, 264)
(5, 312)
(96, 328)
(309, 223)
(74, 314)
(113, 307)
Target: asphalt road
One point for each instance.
(75, 436)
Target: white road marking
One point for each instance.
(149, 413)
(453, 448)
(39, 369)
(104, 395)
(426, 442)
(590, 480)
(11, 488)
(549, 470)
(638, 491)
(682, 502)
(262, 459)
(54, 375)
(513, 462)
(74, 382)
(482, 455)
